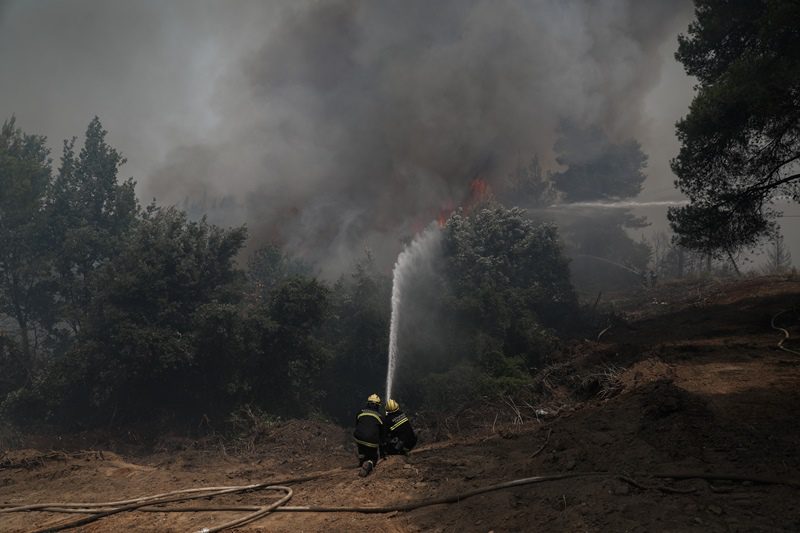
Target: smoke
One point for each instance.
(331, 126)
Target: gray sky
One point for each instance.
(333, 125)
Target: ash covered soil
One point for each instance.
(688, 380)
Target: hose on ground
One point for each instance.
(100, 510)
(103, 510)
(153, 503)
(785, 333)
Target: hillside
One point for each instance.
(685, 412)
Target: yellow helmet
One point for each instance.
(392, 406)
(374, 398)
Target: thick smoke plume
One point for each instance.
(331, 126)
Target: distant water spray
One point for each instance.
(410, 260)
(619, 205)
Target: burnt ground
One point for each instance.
(688, 379)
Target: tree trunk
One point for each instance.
(733, 262)
(22, 320)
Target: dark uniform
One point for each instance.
(400, 435)
(370, 432)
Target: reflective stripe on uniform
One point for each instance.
(399, 423)
(373, 415)
(364, 443)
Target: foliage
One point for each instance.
(89, 212)
(502, 251)
(505, 295)
(269, 266)
(453, 387)
(603, 254)
(740, 142)
(136, 345)
(779, 259)
(358, 334)
(527, 186)
(670, 260)
(13, 368)
(24, 256)
(291, 353)
(151, 319)
(597, 169)
(224, 343)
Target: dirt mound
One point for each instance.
(307, 435)
(672, 419)
(29, 458)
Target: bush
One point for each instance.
(501, 297)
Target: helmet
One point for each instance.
(392, 406)
(374, 398)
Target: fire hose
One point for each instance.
(152, 503)
(785, 333)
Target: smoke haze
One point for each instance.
(331, 126)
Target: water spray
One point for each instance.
(408, 262)
(620, 205)
(610, 262)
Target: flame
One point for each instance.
(444, 213)
(479, 193)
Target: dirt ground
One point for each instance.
(688, 379)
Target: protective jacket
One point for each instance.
(400, 435)
(370, 428)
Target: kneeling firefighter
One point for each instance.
(369, 434)
(400, 437)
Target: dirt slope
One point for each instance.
(691, 381)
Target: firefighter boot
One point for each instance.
(366, 468)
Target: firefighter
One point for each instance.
(369, 434)
(400, 437)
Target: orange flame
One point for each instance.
(444, 213)
(479, 193)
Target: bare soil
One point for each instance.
(688, 379)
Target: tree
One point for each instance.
(740, 142)
(509, 280)
(25, 258)
(490, 313)
(358, 336)
(136, 349)
(268, 266)
(90, 212)
(527, 186)
(598, 169)
(779, 259)
(13, 367)
(604, 255)
(292, 354)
